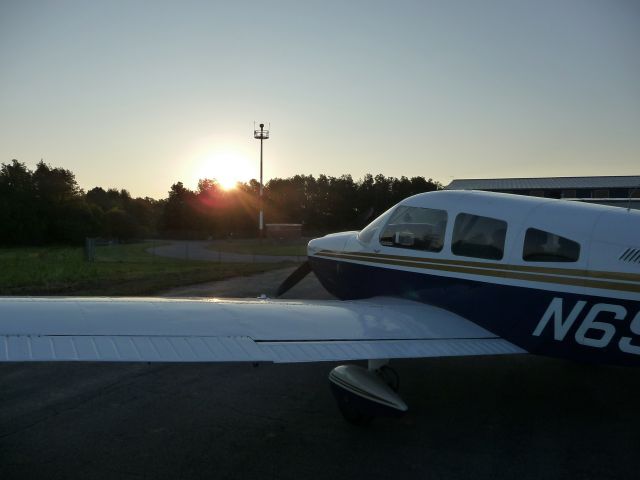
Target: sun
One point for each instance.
(227, 168)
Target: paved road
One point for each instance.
(197, 250)
(484, 418)
(255, 285)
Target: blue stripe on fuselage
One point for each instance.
(511, 312)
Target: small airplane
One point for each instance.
(447, 273)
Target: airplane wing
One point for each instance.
(212, 330)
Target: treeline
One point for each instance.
(46, 205)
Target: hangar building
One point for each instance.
(608, 190)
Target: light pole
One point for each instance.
(261, 135)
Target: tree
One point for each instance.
(60, 205)
(179, 216)
(18, 213)
(119, 224)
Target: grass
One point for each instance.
(117, 270)
(264, 247)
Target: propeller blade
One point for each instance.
(364, 217)
(302, 271)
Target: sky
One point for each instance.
(141, 94)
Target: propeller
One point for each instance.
(364, 217)
(305, 268)
(299, 273)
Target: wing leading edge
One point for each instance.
(212, 330)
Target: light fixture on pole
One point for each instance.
(261, 135)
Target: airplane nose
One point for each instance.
(334, 242)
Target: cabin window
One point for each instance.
(415, 228)
(480, 237)
(541, 246)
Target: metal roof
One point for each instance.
(624, 181)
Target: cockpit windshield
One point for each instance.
(415, 228)
(370, 230)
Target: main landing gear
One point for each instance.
(365, 393)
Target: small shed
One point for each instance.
(279, 231)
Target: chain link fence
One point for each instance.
(217, 251)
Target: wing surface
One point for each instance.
(213, 330)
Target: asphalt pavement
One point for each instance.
(508, 417)
(254, 286)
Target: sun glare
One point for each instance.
(227, 168)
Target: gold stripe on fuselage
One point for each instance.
(562, 276)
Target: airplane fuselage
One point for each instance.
(554, 277)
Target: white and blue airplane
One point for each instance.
(446, 273)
